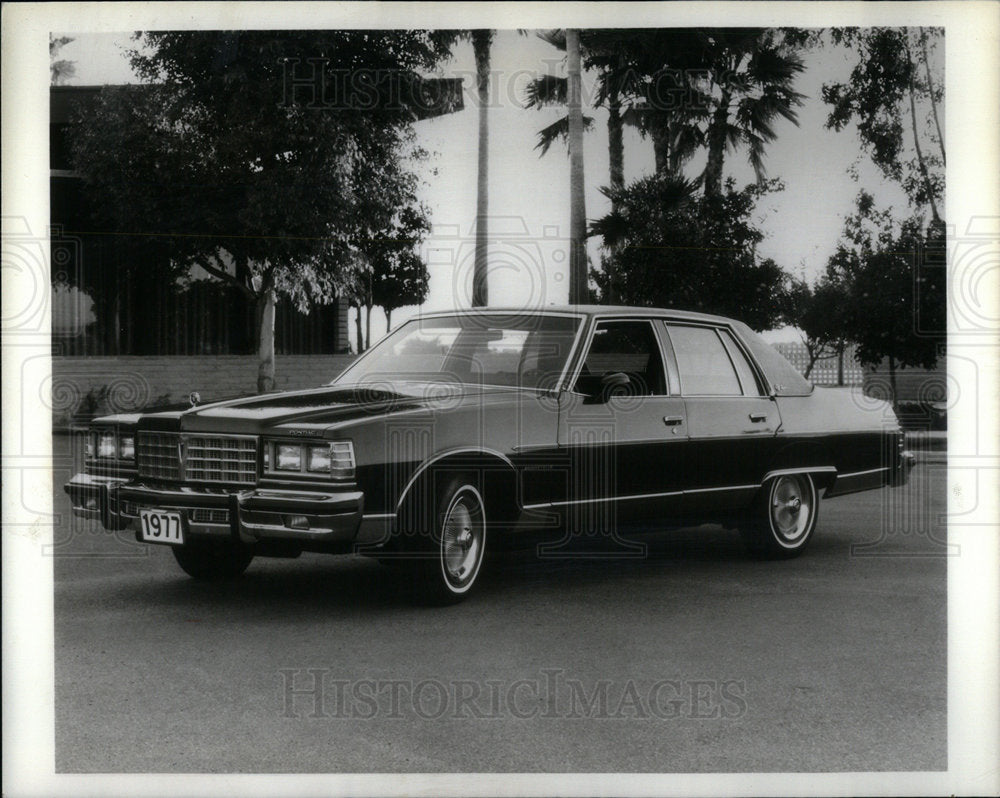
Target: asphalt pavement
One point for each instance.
(691, 658)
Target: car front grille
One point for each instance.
(157, 455)
(198, 458)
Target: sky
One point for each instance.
(529, 195)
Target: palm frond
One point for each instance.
(554, 36)
(545, 90)
(612, 228)
(558, 130)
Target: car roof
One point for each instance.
(587, 310)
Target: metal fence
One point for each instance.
(824, 371)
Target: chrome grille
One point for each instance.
(157, 455)
(221, 459)
(198, 458)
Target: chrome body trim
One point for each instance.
(440, 456)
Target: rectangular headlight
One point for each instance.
(288, 457)
(106, 446)
(318, 458)
(126, 447)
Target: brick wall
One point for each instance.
(87, 386)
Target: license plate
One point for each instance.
(161, 526)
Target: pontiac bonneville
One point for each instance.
(465, 431)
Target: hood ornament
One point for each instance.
(194, 398)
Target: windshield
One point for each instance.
(525, 350)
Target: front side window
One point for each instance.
(703, 363)
(629, 347)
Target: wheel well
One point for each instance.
(492, 474)
(809, 458)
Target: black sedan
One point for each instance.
(464, 431)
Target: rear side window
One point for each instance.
(743, 370)
(703, 362)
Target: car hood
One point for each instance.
(315, 410)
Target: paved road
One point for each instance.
(693, 658)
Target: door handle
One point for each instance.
(673, 421)
(758, 418)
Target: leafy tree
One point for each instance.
(390, 273)
(894, 74)
(823, 314)
(896, 287)
(265, 157)
(674, 247)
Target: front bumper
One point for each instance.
(306, 518)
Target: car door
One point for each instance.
(731, 423)
(623, 443)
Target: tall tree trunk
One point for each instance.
(840, 366)
(661, 148)
(616, 169)
(358, 329)
(388, 320)
(892, 383)
(577, 206)
(481, 41)
(916, 141)
(930, 93)
(265, 350)
(616, 145)
(717, 146)
(368, 326)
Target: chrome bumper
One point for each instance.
(95, 497)
(250, 516)
(901, 474)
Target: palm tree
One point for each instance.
(577, 207)
(481, 41)
(748, 85)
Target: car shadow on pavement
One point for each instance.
(315, 583)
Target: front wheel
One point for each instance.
(451, 557)
(783, 519)
(212, 561)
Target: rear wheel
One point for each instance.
(783, 519)
(212, 561)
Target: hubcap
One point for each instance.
(461, 540)
(790, 508)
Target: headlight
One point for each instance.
(126, 447)
(106, 445)
(318, 458)
(288, 457)
(335, 459)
